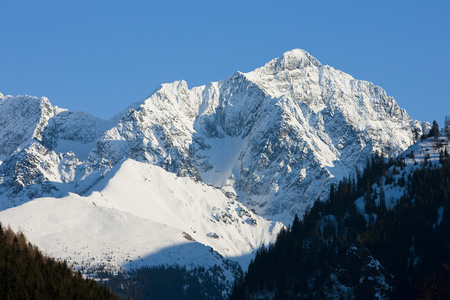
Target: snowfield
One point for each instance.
(158, 219)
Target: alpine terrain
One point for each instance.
(198, 177)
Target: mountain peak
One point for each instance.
(290, 60)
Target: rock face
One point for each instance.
(275, 137)
(21, 119)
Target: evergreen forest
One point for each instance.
(167, 282)
(341, 250)
(25, 273)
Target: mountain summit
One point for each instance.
(252, 149)
(291, 60)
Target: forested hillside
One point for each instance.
(364, 242)
(25, 273)
(168, 282)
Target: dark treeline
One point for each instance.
(161, 282)
(25, 273)
(338, 251)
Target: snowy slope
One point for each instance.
(202, 211)
(88, 237)
(158, 219)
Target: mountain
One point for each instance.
(212, 171)
(274, 137)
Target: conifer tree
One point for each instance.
(434, 132)
(416, 135)
(447, 126)
(296, 225)
(382, 199)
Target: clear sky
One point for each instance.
(101, 56)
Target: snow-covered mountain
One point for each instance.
(274, 137)
(211, 168)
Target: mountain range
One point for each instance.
(200, 176)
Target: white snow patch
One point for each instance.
(224, 156)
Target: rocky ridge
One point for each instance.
(294, 125)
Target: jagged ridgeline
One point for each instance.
(275, 137)
(383, 233)
(25, 273)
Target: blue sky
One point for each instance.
(101, 56)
